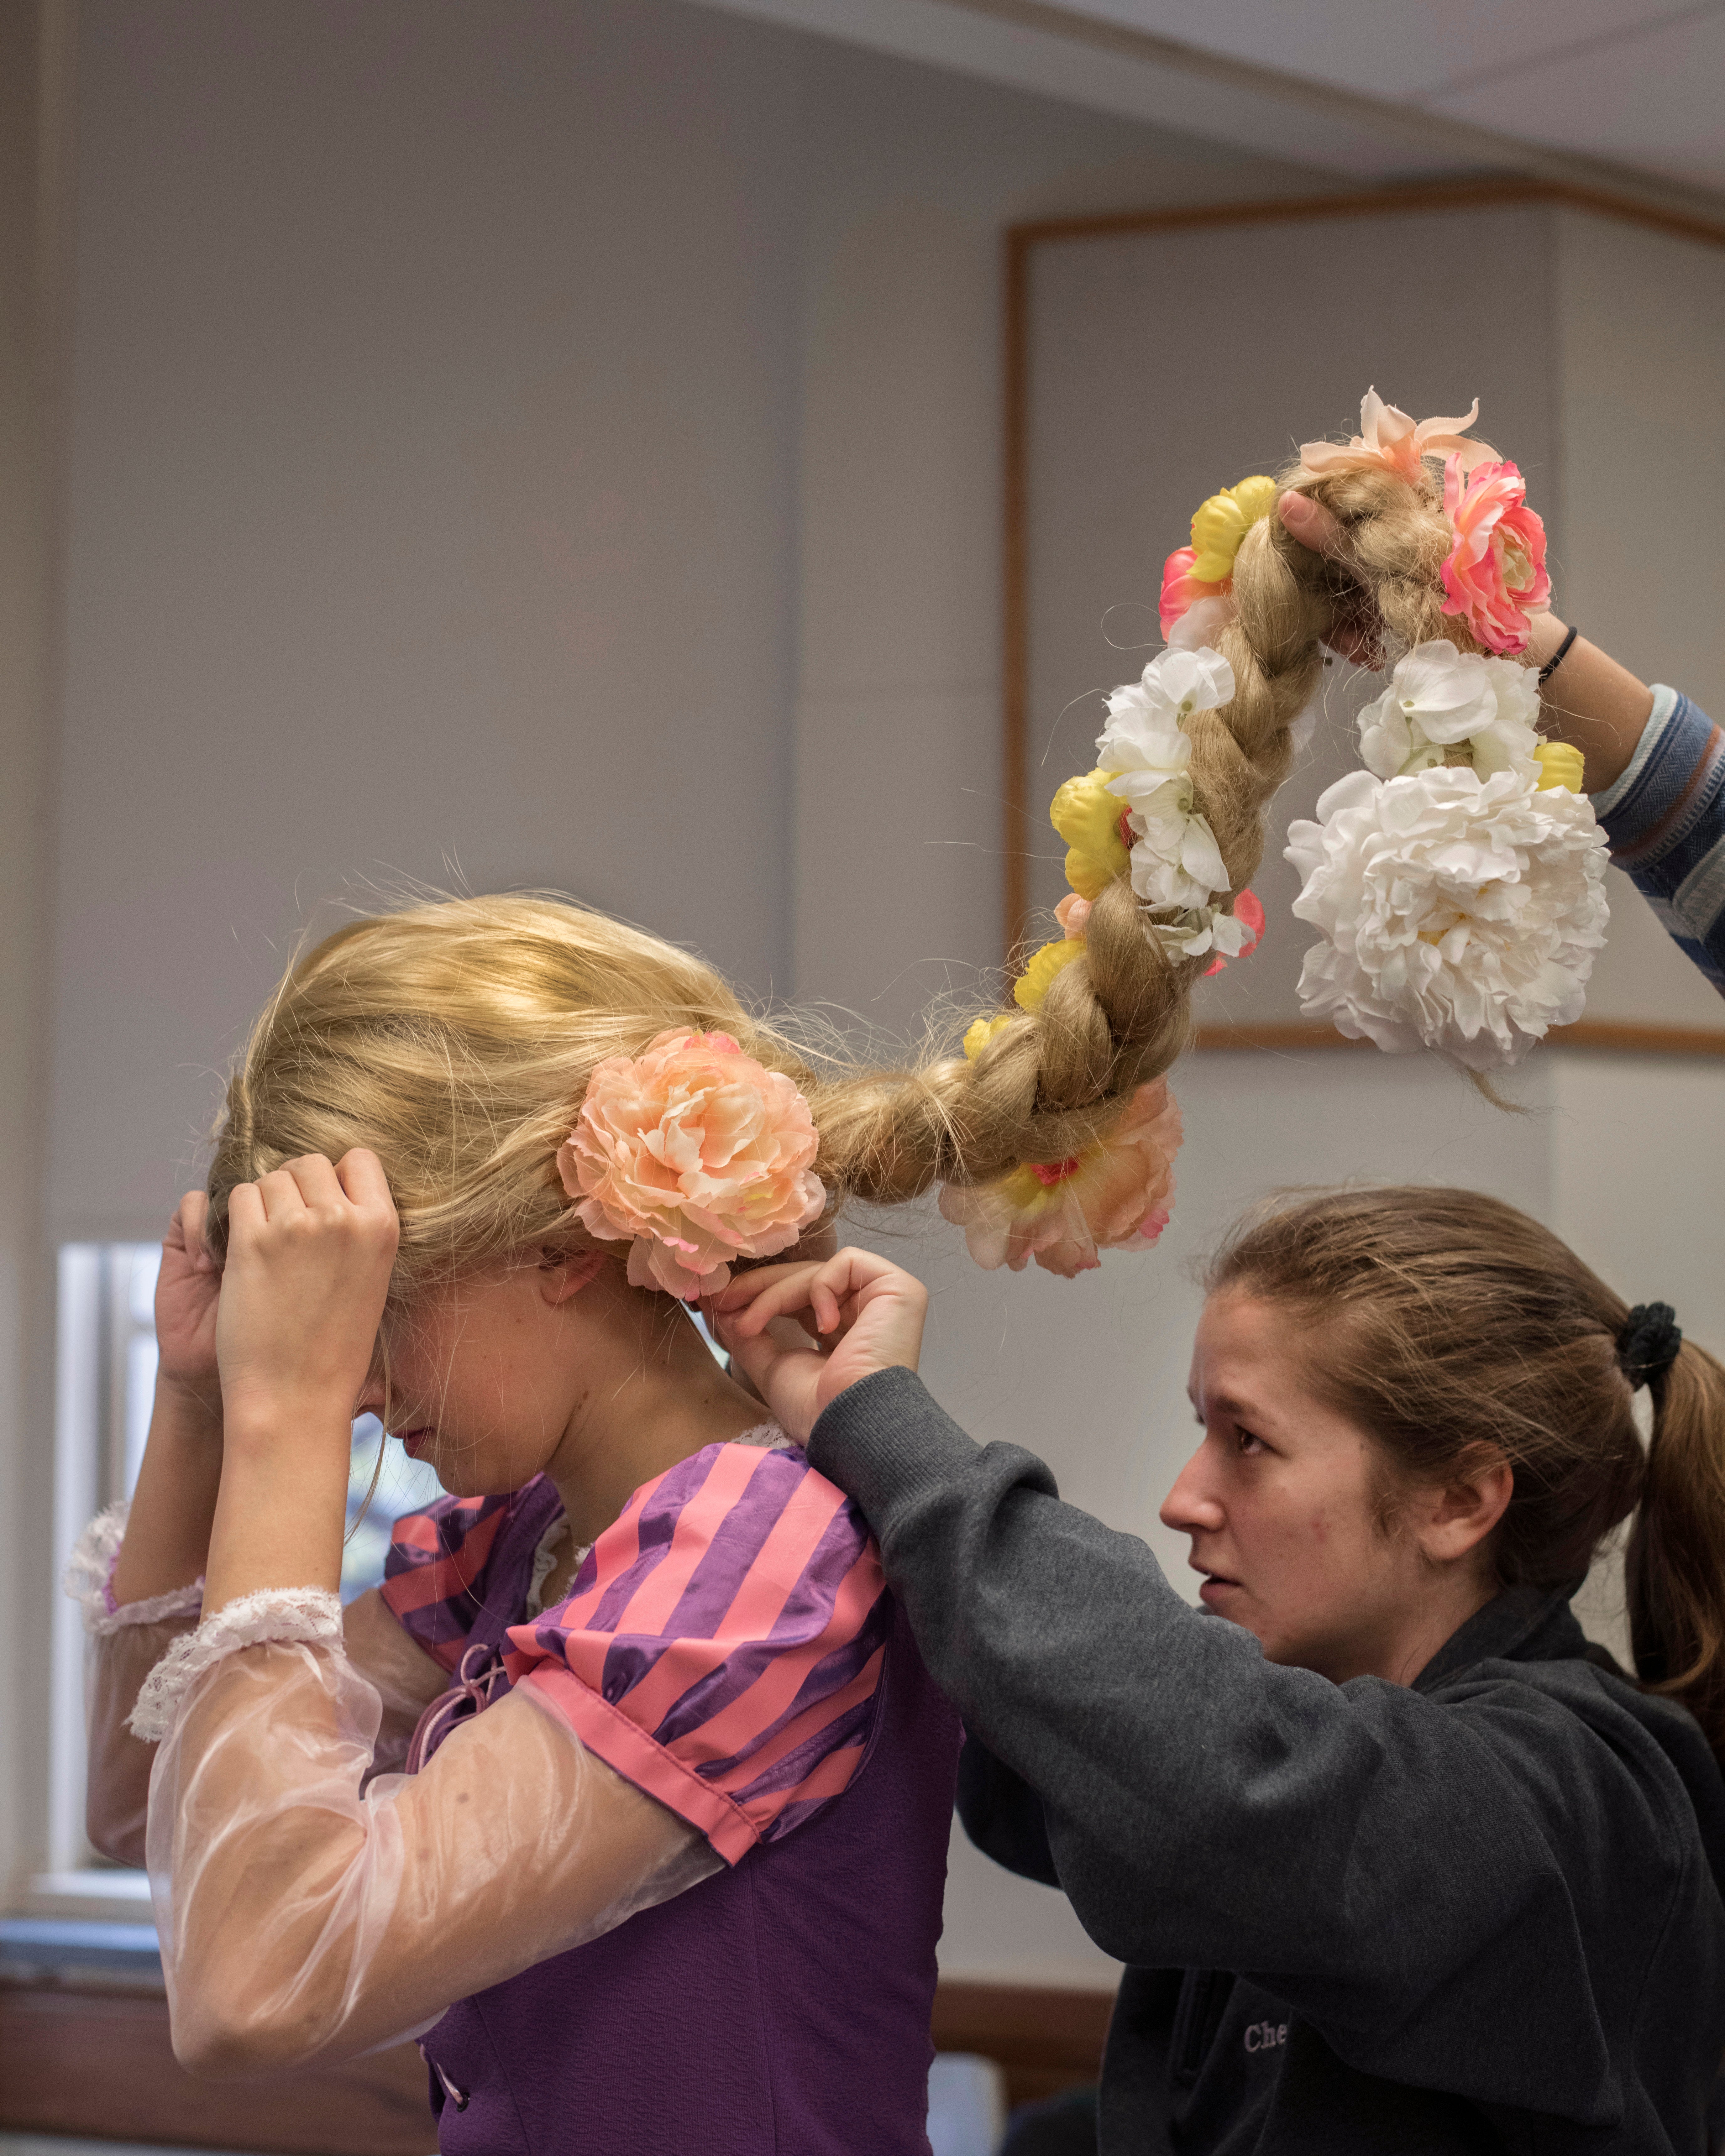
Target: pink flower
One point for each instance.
(1180, 588)
(1247, 908)
(1495, 576)
(694, 1154)
(1116, 1195)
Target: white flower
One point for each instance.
(1459, 913)
(1202, 928)
(1439, 698)
(1145, 717)
(1175, 858)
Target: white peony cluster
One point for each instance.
(1461, 910)
(1177, 866)
(1445, 706)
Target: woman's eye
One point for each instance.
(1246, 1442)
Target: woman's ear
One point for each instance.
(564, 1273)
(1453, 1521)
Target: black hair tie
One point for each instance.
(1648, 1344)
(1546, 672)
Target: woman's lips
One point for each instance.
(1213, 1587)
(411, 1440)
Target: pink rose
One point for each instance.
(694, 1154)
(1116, 1195)
(1495, 576)
(1181, 589)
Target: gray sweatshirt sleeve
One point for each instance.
(1402, 1870)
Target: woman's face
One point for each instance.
(1281, 1502)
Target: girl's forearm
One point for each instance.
(1590, 701)
(282, 1507)
(167, 1534)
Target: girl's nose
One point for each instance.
(1191, 1508)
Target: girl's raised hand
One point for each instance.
(856, 1313)
(187, 1289)
(310, 1249)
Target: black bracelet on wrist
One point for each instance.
(1558, 658)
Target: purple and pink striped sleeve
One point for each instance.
(722, 1644)
(433, 1577)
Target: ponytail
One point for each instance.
(1675, 1567)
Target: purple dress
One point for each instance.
(729, 1646)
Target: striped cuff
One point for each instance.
(1665, 821)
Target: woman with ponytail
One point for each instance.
(1397, 1859)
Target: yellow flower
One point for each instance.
(1032, 986)
(1087, 817)
(983, 1030)
(1223, 521)
(1559, 765)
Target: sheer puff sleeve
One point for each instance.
(721, 1646)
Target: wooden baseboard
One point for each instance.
(80, 2060)
(1043, 2040)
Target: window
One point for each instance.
(105, 1382)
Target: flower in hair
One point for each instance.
(1459, 913)
(1445, 706)
(1091, 822)
(1389, 436)
(1204, 570)
(1030, 992)
(1495, 576)
(1176, 862)
(1249, 913)
(1115, 1195)
(694, 1154)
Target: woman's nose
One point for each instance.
(1191, 1508)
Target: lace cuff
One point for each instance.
(90, 1580)
(310, 1615)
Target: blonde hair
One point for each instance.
(1457, 1332)
(1120, 1015)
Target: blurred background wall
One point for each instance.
(558, 441)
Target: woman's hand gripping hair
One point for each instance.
(803, 1334)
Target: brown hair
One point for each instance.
(1456, 1330)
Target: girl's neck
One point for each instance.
(658, 1397)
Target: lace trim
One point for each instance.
(90, 1580)
(544, 1557)
(309, 1614)
(767, 1437)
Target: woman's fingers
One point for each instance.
(1311, 523)
(1356, 633)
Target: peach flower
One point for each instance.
(1116, 1195)
(694, 1154)
(1389, 436)
(1495, 576)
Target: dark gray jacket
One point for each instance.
(1480, 1912)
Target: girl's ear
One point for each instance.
(563, 1274)
(1456, 1520)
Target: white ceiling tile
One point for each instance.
(1402, 48)
(1654, 102)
